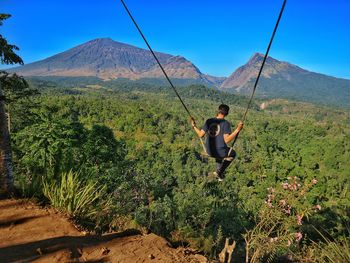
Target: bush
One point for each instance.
(278, 228)
(29, 186)
(75, 197)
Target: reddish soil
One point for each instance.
(29, 233)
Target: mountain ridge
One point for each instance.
(281, 79)
(250, 70)
(107, 59)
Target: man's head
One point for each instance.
(223, 109)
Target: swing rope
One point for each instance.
(160, 65)
(259, 74)
(173, 87)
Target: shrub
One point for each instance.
(75, 197)
(29, 186)
(278, 228)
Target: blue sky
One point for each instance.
(217, 36)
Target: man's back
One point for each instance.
(218, 132)
(215, 128)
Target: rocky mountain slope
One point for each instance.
(108, 59)
(249, 71)
(284, 80)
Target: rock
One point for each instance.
(38, 250)
(80, 252)
(105, 251)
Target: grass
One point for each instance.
(75, 197)
(337, 251)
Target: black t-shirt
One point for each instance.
(215, 129)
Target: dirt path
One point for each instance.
(29, 233)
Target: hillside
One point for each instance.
(284, 80)
(134, 147)
(107, 59)
(30, 233)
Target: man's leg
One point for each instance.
(219, 163)
(222, 166)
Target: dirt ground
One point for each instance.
(29, 233)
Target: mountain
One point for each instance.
(107, 59)
(284, 80)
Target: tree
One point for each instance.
(48, 146)
(7, 57)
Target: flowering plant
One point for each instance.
(279, 221)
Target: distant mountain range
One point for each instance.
(107, 59)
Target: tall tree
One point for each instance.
(8, 57)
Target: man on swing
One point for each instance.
(219, 134)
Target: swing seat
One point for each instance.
(205, 157)
(230, 159)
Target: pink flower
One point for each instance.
(314, 181)
(318, 207)
(289, 243)
(298, 236)
(299, 218)
(287, 211)
(285, 185)
(283, 202)
(292, 187)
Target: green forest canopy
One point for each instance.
(135, 139)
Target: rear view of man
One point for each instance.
(218, 131)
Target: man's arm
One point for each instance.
(199, 132)
(229, 137)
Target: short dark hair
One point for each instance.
(224, 109)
